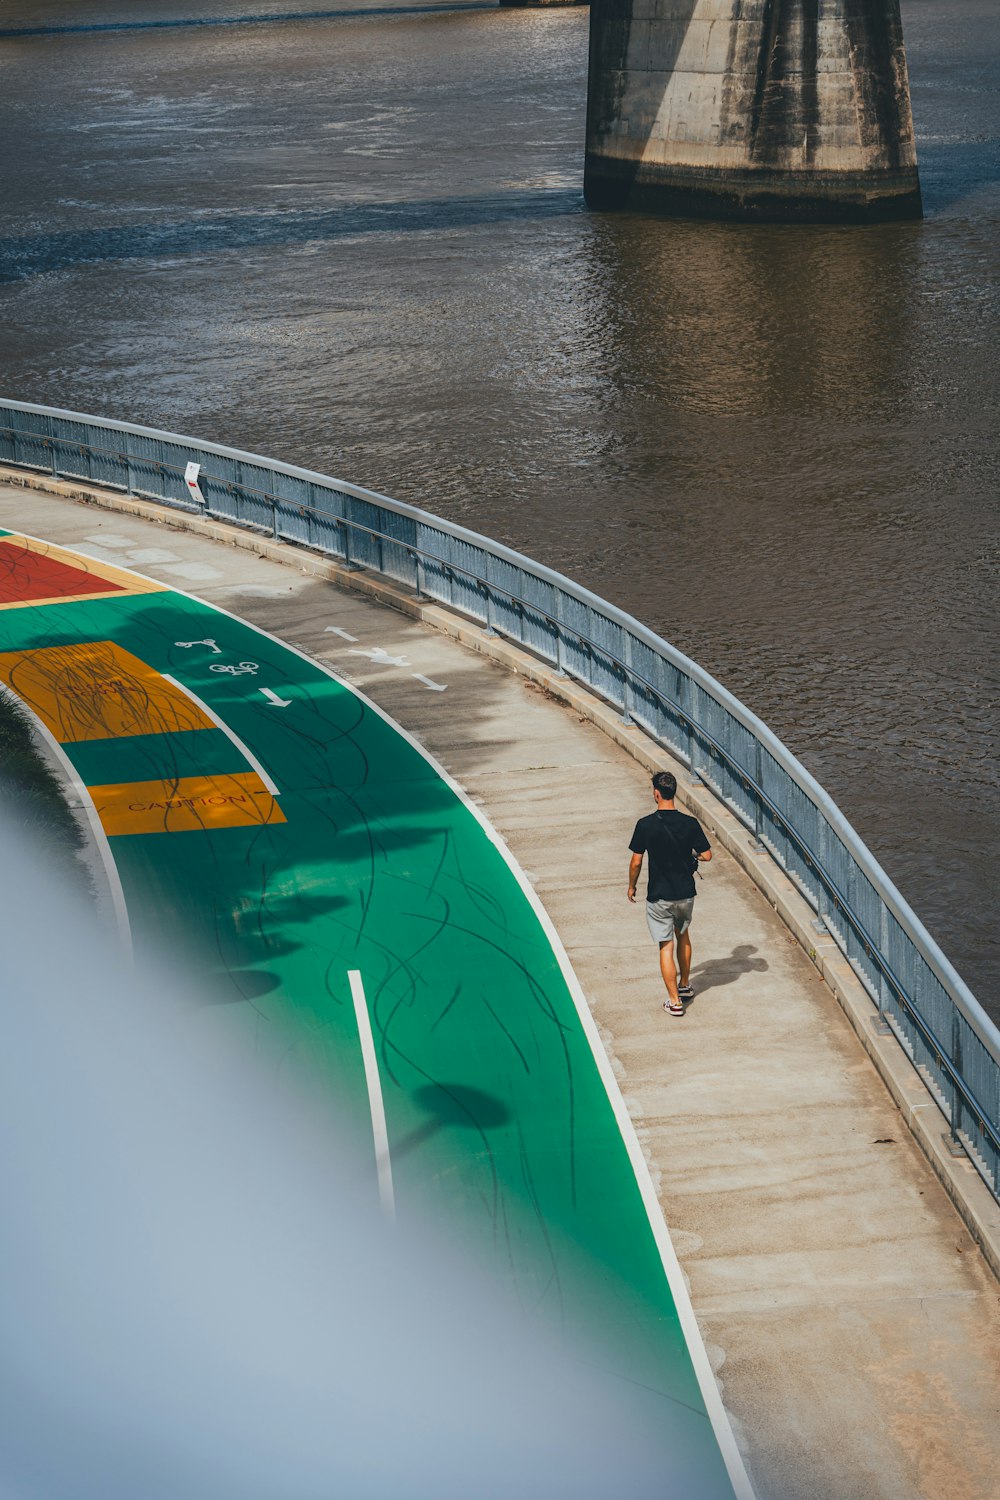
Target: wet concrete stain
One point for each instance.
(878, 64)
(785, 105)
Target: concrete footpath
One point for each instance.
(852, 1320)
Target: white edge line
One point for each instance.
(93, 818)
(717, 1413)
(375, 1101)
(221, 724)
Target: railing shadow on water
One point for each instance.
(921, 998)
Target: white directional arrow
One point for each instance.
(381, 658)
(274, 700)
(344, 634)
(435, 687)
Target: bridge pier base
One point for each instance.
(781, 110)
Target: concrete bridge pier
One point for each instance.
(792, 110)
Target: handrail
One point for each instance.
(919, 994)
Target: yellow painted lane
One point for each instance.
(186, 805)
(97, 690)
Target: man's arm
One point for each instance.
(701, 845)
(634, 866)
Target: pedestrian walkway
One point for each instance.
(852, 1322)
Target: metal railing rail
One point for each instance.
(921, 998)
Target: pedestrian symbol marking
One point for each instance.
(379, 657)
(213, 645)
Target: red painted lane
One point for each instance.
(26, 575)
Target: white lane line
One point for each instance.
(345, 635)
(375, 1103)
(229, 733)
(435, 687)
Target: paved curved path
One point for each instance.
(851, 1320)
(333, 886)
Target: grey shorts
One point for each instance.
(667, 918)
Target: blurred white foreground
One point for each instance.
(197, 1296)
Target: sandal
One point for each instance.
(674, 1010)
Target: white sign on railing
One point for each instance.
(191, 480)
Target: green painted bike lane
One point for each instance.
(500, 1108)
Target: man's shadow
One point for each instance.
(715, 972)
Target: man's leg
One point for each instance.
(669, 970)
(684, 958)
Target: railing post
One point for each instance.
(421, 576)
(518, 605)
(52, 447)
(692, 740)
(627, 696)
(883, 944)
(820, 922)
(560, 650)
(589, 651)
(490, 609)
(274, 516)
(952, 1137)
(881, 1021)
(757, 843)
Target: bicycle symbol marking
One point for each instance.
(252, 667)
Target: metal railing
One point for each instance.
(921, 999)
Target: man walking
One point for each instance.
(676, 844)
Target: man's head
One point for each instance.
(664, 787)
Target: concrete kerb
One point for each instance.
(959, 1177)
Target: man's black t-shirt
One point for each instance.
(670, 874)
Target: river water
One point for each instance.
(359, 243)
